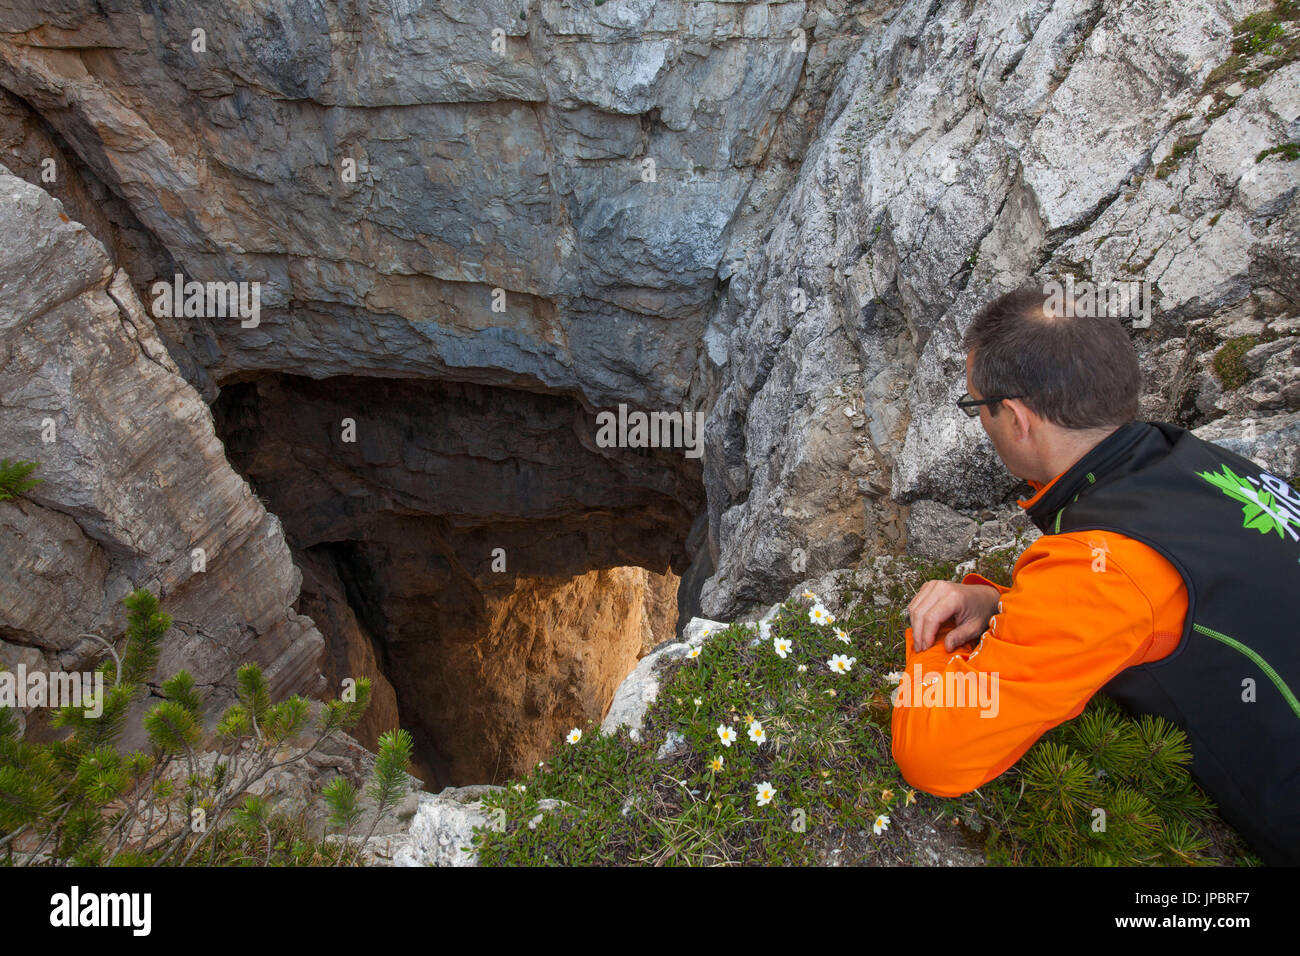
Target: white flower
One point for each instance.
(893, 677)
(819, 615)
(693, 653)
(765, 793)
(841, 664)
(726, 734)
(756, 733)
(841, 635)
(698, 702)
(716, 763)
(801, 668)
(520, 787)
(574, 735)
(881, 824)
(809, 596)
(782, 646)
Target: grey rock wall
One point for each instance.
(520, 167)
(968, 148)
(133, 478)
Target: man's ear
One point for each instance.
(1022, 418)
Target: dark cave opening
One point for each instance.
(471, 550)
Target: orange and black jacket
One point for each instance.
(1168, 575)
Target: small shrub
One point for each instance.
(1102, 790)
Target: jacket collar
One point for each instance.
(1116, 453)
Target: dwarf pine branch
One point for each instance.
(14, 478)
(388, 779)
(81, 801)
(1104, 790)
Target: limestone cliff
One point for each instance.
(136, 490)
(967, 148)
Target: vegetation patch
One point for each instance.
(1228, 362)
(1288, 152)
(14, 478)
(1183, 147)
(80, 801)
(1262, 43)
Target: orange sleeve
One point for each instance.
(974, 578)
(1061, 632)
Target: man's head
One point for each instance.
(1063, 382)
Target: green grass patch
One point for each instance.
(1288, 152)
(1261, 33)
(826, 756)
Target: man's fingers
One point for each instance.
(928, 615)
(924, 621)
(962, 634)
(918, 596)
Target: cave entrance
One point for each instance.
(470, 549)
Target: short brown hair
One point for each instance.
(1077, 372)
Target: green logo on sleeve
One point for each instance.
(1268, 503)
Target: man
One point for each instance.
(1168, 574)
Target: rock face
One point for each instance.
(497, 693)
(134, 479)
(442, 831)
(967, 148)
(383, 171)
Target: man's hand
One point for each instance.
(969, 606)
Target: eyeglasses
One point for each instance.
(971, 406)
